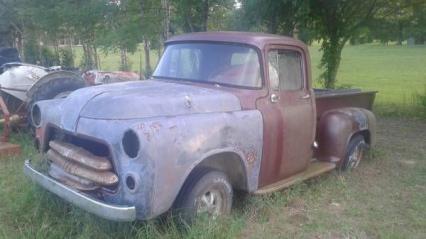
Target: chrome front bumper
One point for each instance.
(101, 209)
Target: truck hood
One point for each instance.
(149, 98)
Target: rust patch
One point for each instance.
(140, 126)
(250, 156)
(155, 126)
(147, 136)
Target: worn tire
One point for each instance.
(354, 153)
(52, 89)
(204, 184)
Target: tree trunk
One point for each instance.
(400, 33)
(124, 66)
(20, 44)
(159, 50)
(330, 61)
(95, 56)
(148, 69)
(70, 44)
(88, 62)
(205, 15)
(166, 21)
(56, 49)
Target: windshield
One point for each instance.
(211, 62)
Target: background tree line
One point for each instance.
(46, 31)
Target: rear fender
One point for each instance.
(337, 127)
(56, 75)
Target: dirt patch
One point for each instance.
(296, 212)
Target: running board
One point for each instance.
(315, 168)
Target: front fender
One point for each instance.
(337, 127)
(176, 145)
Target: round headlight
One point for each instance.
(36, 115)
(130, 143)
(130, 182)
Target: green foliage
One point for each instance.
(277, 17)
(420, 101)
(11, 22)
(119, 26)
(193, 15)
(67, 58)
(32, 51)
(398, 20)
(87, 62)
(335, 22)
(48, 57)
(417, 28)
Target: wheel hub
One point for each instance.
(210, 203)
(355, 157)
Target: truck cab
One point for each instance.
(223, 111)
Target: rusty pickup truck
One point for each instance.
(223, 111)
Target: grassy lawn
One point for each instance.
(110, 61)
(397, 72)
(384, 198)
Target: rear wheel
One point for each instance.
(355, 151)
(205, 193)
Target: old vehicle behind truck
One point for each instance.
(21, 85)
(224, 111)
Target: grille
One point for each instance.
(79, 168)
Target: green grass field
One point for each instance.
(384, 198)
(397, 72)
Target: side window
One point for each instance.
(285, 70)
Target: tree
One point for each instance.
(417, 26)
(83, 19)
(390, 23)
(121, 30)
(335, 22)
(11, 24)
(193, 15)
(276, 17)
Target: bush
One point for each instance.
(420, 102)
(87, 62)
(67, 58)
(32, 52)
(49, 58)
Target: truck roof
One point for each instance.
(252, 38)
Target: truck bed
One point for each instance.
(327, 99)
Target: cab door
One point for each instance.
(288, 114)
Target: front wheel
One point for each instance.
(354, 153)
(205, 193)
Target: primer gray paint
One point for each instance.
(178, 126)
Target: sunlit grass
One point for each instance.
(398, 73)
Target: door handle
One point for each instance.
(274, 98)
(307, 96)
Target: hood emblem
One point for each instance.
(188, 102)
